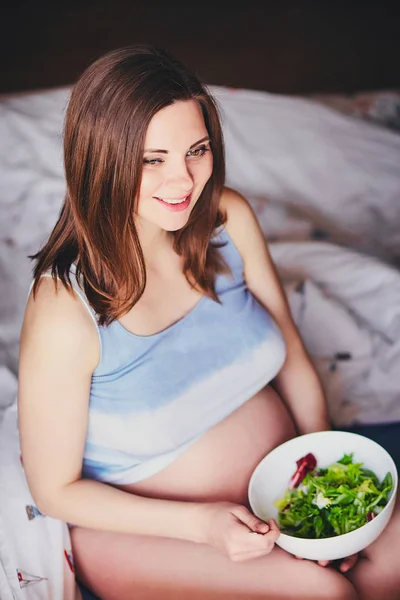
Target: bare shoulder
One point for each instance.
(59, 351)
(259, 271)
(241, 221)
(56, 314)
(234, 204)
(56, 306)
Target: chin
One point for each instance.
(174, 221)
(167, 221)
(174, 226)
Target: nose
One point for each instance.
(179, 177)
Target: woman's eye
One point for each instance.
(152, 161)
(197, 152)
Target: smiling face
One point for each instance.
(177, 163)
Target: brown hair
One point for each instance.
(110, 108)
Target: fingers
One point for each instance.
(266, 539)
(274, 531)
(260, 527)
(271, 530)
(252, 544)
(322, 563)
(273, 534)
(348, 563)
(252, 522)
(254, 538)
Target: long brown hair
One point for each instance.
(110, 108)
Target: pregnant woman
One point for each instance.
(159, 361)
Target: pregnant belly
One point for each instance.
(219, 465)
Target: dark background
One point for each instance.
(284, 46)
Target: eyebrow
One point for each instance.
(204, 139)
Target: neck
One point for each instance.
(153, 240)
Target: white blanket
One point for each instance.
(347, 308)
(307, 161)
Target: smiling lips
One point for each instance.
(175, 204)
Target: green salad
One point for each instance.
(322, 503)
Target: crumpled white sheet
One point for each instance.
(8, 387)
(347, 308)
(337, 172)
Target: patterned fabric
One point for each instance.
(152, 396)
(36, 560)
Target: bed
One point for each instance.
(321, 171)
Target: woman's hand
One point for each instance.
(235, 531)
(345, 565)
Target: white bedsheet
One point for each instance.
(333, 171)
(347, 308)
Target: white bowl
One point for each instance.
(271, 478)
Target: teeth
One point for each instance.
(173, 201)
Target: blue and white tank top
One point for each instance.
(152, 396)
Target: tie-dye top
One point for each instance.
(152, 396)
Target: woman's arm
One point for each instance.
(58, 354)
(297, 382)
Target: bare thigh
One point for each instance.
(122, 566)
(377, 573)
